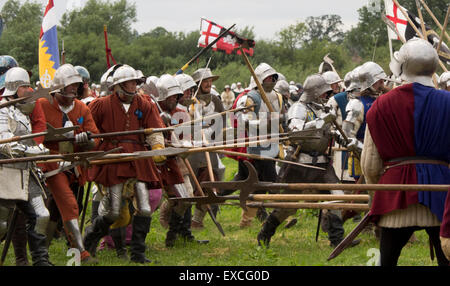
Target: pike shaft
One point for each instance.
(333, 206)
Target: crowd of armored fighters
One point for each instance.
(367, 128)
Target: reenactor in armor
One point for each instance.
(21, 182)
(371, 79)
(308, 114)
(174, 175)
(121, 111)
(86, 94)
(333, 79)
(206, 104)
(66, 111)
(258, 120)
(407, 141)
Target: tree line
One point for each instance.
(296, 51)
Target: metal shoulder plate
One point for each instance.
(355, 110)
(297, 111)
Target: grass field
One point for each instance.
(289, 247)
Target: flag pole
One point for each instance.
(416, 30)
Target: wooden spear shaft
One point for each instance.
(366, 187)
(417, 30)
(434, 19)
(328, 206)
(443, 30)
(302, 197)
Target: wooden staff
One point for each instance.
(434, 19)
(417, 30)
(443, 30)
(303, 197)
(328, 206)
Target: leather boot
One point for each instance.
(164, 214)
(52, 227)
(185, 228)
(95, 232)
(19, 241)
(261, 214)
(268, 230)
(336, 230)
(94, 210)
(175, 224)
(118, 236)
(141, 226)
(38, 248)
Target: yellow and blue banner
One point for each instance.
(48, 46)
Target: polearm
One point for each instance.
(180, 71)
(63, 54)
(146, 131)
(417, 30)
(50, 133)
(107, 49)
(443, 30)
(117, 158)
(434, 19)
(200, 190)
(41, 92)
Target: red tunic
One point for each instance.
(110, 116)
(38, 123)
(170, 172)
(235, 123)
(80, 115)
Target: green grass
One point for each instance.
(289, 247)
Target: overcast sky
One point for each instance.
(266, 16)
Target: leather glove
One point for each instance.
(355, 145)
(445, 244)
(160, 159)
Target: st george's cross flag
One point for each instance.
(209, 31)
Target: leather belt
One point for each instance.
(414, 160)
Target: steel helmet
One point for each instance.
(282, 87)
(348, 79)
(186, 81)
(314, 86)
(6, 62)
(416, 60)
(15, 77)
(84, 73)
(264, 70)
(125, 73)
(167, 86)
(66, 75)
(369, 74)
(331, 77)
(205, 73)
(355, 84)
(151, 78)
